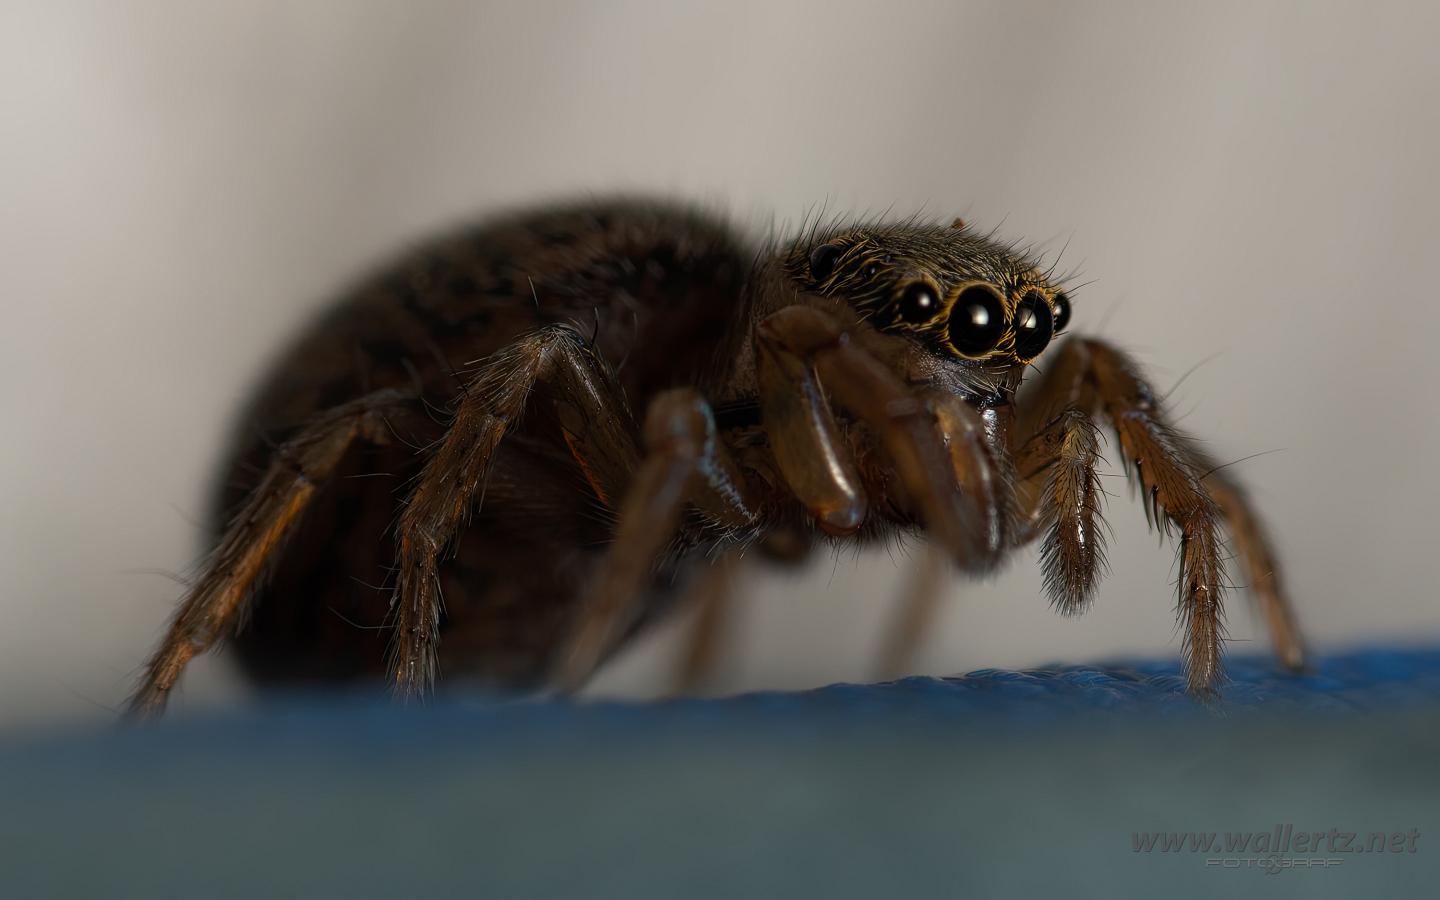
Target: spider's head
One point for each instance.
(974, 306)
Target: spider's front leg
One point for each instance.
(1258, 557)
(937, 443)
(1059, 486)
(597, 427)
(1089, 376)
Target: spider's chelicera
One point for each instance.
(507, 453)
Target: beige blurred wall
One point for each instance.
(182, 184)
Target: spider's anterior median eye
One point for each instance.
(1034, 325)
(977, 321)
(1062, 312)
(822, 261)
(919, 303)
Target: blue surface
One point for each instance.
(998, 783)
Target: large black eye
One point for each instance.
(919, 303)
(1062, 312)
(977, 321)
(1034, 325)
(822, 261)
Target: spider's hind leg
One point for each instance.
(235, 569)
(596, 425)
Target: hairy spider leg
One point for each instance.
(1258, 556)
(1059, 485)
(599, 430)
(237, 567)
(1060, 498)
(1058, 492)
(1094, 377)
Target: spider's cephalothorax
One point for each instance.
(959, 293)
(634, 398)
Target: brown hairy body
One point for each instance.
(511, 450)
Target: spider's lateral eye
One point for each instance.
(1062, 312)
(1034, 325)
(872, 270)
(977, 320)
(918, 303)
(822, 261)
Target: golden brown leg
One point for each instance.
(597, 425)
(1090, 375)
(1165, 470)
(236, 567)
(1060, 489)
(1263, 573)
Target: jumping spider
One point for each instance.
(461, 427)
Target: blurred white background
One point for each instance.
(182, 184)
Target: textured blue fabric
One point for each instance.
(997, 783)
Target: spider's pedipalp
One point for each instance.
(801, 344)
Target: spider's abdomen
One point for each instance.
(661, 291)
